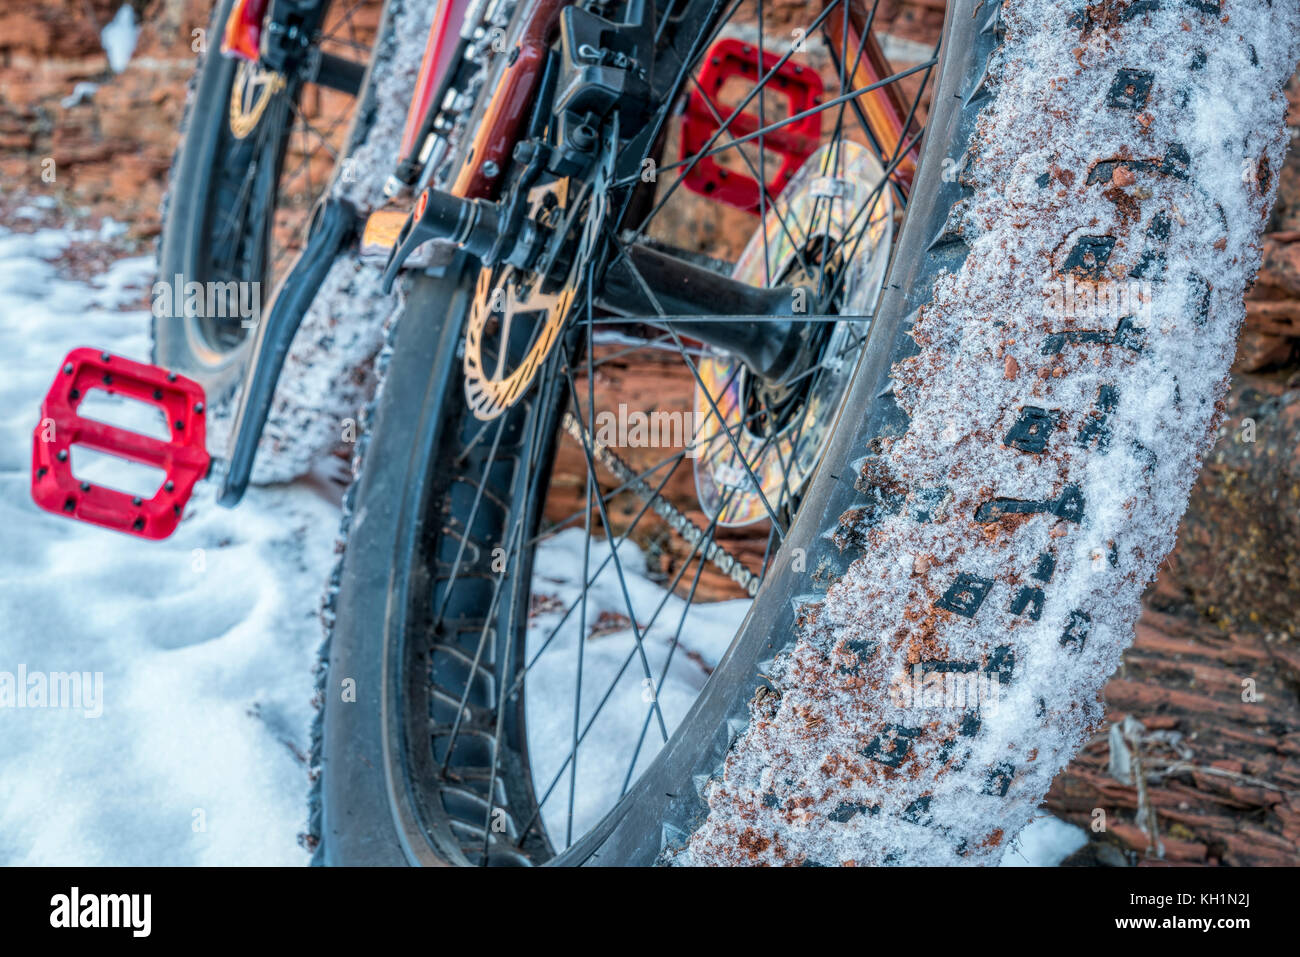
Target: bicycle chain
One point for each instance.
(715, 553)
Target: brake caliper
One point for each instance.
(183, 458)
(800, 87)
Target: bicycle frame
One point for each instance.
(448, 38)
(882, 110)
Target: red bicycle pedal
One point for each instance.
(800, 88)
(184, 459)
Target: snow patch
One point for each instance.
(206, 641)
(1045, 842)
(83, 92)
(118, 38)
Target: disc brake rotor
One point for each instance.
(829, 196)
(506, 296)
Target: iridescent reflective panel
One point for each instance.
(828, 204)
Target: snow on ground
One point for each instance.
(610, 658)
(205, 641)
(118, 38)
(1045, 842)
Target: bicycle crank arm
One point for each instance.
(333, 226)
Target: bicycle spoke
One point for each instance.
(609, 690)
(618, 565)
(516, 538)
(798, 244)
(797, 117)
(323, 138)
(645, 288)
(691, 162)
(345, 20)
(469, 522)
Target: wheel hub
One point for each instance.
(780, 428)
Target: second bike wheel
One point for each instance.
(258, 151)
(477, 508)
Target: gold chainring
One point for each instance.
(250, 95)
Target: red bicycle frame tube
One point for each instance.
(511, 101)
(444, 34)
(243, 34)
